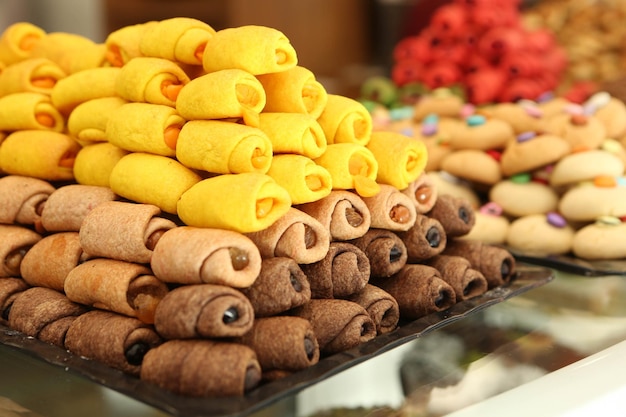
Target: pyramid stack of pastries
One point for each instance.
(193, 208)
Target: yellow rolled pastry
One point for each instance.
(18, 40)
(304, 180)
(122, 44)
(230, 93)
(401, 159)
(256, 49)
(345, 120)
(82, 86)
(22, 111)
(94, 163)
(257, 203)
(71, 51)
(151, 80)
(145, 127)
(180, 39)
(88, 121)
(294, 90)
(152, 179)
(351, 166)
(223, 147)
(38, 75)
(40, 154)
(295, 133)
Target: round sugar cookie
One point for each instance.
(587, 202)
(610, 111)
(579, 130)
(532, 153)
(482, 133)
(601, 240)
(585, 166)
(535, 235)
(472, 165)
(522, 117)
(523, 199)
(488, 228)
(447, 184)
(441, 102)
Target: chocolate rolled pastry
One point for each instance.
(295, 235)
(424, 240)
(51, 259)
(123, 287)
(22, 199)
(83, 86)
(390, 209)
(22, 111)
(457, 271)
(385, 250)
(380, 305)
(338, 324)
(15, 242)
(455, 214)
(94, 163)
(293, 133)
(17, 41)
(280, 286)
(44, 314)
(423, 192)
(88, 121)
(123, 230)
(202, 368)
(343, 213)
(345, 120)
(203, 311)
(284, 343)
(419, 290)
(496, 264)
(113, 339)
(344, 271)
(190, 255)
(37, 75)
(9, 289)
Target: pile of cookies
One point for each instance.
(191, 207)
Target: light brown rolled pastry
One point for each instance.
(295, 235)
(15, 242)
(343, 213)
(123, 287)
(36, 75)
(45, 314)
(344, 271)
(380, 305)
(423, 192)
(338, 324)
(17, 41)
(83, 86)
(10, 288)
(385, 250)
(424, 240)
(22, 111)
(202, 368)
(496, 264)
(203, 311)
(123, 230)
(345, 120)
(51, 259)
(113, 339)
(457, 271)
(455, 214)
(94, 163)
(280, 286)
(195, 255)
(284, 343)
(390, 209)
(419, 290)
(22, 199)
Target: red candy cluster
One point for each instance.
(482, 46)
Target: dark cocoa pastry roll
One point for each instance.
(203, 311)
(124, 231)
(427, 238)
(50, 260)
(295, 235)
(338, 324)
(10, 288)
(419, 290)
(385, 250)
(380, 305)
(114, 339)
(15, 242)
(44, 314)
(457, 271)
(123, 287)
(343, 213)
(423, 193)
(344, 270)
(496, 264)
(284, 343)
(390, 209)
(66, 207)
(202, 368)
(455, 214)
(22, 199)
(281, 286)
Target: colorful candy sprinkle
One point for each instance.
(605, 181)
(401, 113)
(521, 178)
(476, 120)
(556, 220)
(491, 209)
(525, 136)
(598, 100)
(608, 220)
(611, 145)
(467, 110)
(495, 154)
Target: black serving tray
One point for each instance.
(574, 265)
(526, 278)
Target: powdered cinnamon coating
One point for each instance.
(495, 263)
(10, 288)
(15, 242)
(427, 238)
(385, 250)
(22, 199)
(458, 272)
(380, 305)
(455, 214)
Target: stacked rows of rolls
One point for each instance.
(191, 207)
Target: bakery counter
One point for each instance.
(559, 335)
